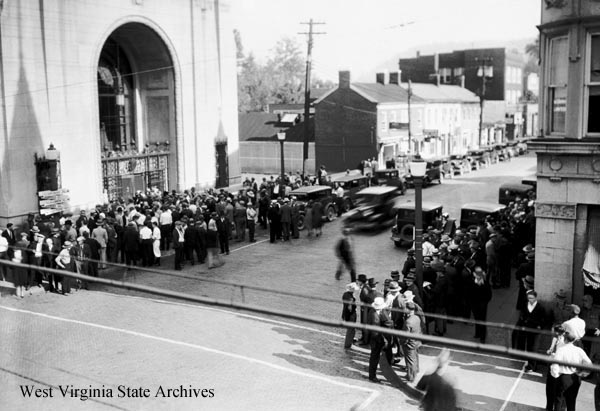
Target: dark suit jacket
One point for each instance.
(533, 319)
(286, 213)
(131, 240)
(11, 237)
(223, 226)
(94, 248)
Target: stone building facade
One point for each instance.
(568, 150)
(133, 93)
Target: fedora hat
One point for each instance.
(394, 286)
(528, 248)
(362, 278)
(529, 281)
(378, 303)
(445, 238)
(372, 282)
(35, 229)
(409, 295)
(352, 287)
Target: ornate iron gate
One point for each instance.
(124, 174)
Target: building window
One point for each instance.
(593, 89)
(557, 83)
(445, 75)
(384, 121)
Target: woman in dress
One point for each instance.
(156, 242)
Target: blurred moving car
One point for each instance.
(322, 194)
(402, 232)
(508, 192)
(473, 214)
(352, 184)
(390, 177)
(375, 208)
(432, 173)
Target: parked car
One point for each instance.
(432, 173)
(492, 154)
(530, 181)
(473, 214)
(460, 164)
(352, 184)
(390, 177)
(402, 232)
(522, 147)
(508, 192)
(503, 154)
(322, 194)
(375, 208)
(477, 158)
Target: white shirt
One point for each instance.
(576, 327)
(428, 249)
(3, 244)
(166, 218)
(145, 233)
(339, 192)
(568, 353)
(250, 214)
(531, 306)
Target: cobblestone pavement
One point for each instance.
(306, 266)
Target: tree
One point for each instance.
(533, 49)
(287, 70)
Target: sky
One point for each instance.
(363, 34)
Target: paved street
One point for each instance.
(263, 363)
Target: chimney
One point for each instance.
(344, 79)
(380, 78)
(418, 54)
(395, 77)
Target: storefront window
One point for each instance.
(593, 108)
(557, 83)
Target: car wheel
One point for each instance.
(406, 233)
(331, 213)
(300, 223)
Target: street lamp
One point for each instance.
(417, 171)
(486, 72)
(281, 138)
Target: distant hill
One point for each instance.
(428, 49)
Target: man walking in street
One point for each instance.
(345, 253)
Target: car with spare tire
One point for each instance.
(317, 193)
(402, 231)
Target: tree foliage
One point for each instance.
(279, 81)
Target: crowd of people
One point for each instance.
(197, 226)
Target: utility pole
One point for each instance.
(307, 94)
(409, 128)
(485, 70)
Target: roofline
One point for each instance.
(317, 101)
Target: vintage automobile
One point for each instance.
(473, 214)
(375, 208)
(315, 193)
(432, 173)
(530, 181)
(508, 192)
(390, 177)
(478, 158)
(402, 232)
(352, 184)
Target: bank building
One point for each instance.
(101, 99)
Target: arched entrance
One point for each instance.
(136, 102)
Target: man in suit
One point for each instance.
(131, 244)
(223, 230)
(82, 253)
(412, 324)
(533, 316)
(378, 317)
(94, 254)
(101, 236)
(240, 220)
(365, 290)
(285, 213)
(191, 241)
(179, 244)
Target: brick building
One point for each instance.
(502, 113)
(132, 93)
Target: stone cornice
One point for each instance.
(565, 146)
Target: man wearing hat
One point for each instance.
(285, 215)
(364, 308)
(101, 236)
(251, 222)
(395, 300)
(410, 262)
(240, 220)
(560, 311)
(63, 262)
(379, 341)
(410, 346)
(349, 312)
(410, 285)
